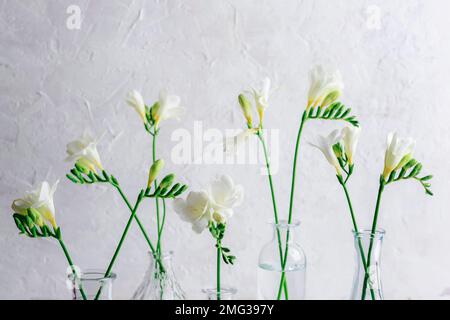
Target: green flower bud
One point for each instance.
(337, 148)
(154, 171)
(331, 97)
(167, 181)
(246, 109)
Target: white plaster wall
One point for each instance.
(56, 81)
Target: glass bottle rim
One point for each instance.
(93, 275)
(379, 233)
(223, 291)
(284, 224)
(165, 256)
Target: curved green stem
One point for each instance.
(122, 238)
(291, 200)
(274, 204)
(372, 235)
(355, 227)
(69, 260)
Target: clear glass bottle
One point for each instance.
(368, 287)
(226, 293)
(94, 285)
(159, 282)
(279, 276)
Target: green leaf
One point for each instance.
(226, 250)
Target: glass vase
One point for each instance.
(159, 282)
(367, 279)
(226, 293)
(93, 283)
(282, 265)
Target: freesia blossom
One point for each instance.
(350, 136)
(41, 200)
(224, 195)
(325, 144)
(195, 210)
(136, 101)
(261, 97)
(325, 87)
(397, 150)
(216, 204)
(167, 107)
(84, 152)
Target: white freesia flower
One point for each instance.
(136, 101)
(350, 136)
(224, 196)
(325, 144)
(325, 87)
(84, 152)
(214, 205)
(195, 210)
(261, 97)
(167, 107)
(397, 149)
(40, 199)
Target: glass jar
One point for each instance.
(282, 265)
(94, 284)
(367, 279)
(226, 293)
(159, 282)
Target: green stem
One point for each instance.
(291, 200)
(122, 238)
(372, 235)
(141, 227)
(158, 246)
(69, 260)
(355, 227)
(274, 204)
(219, 258)
(162, 224)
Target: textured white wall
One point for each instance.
(56, 81)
